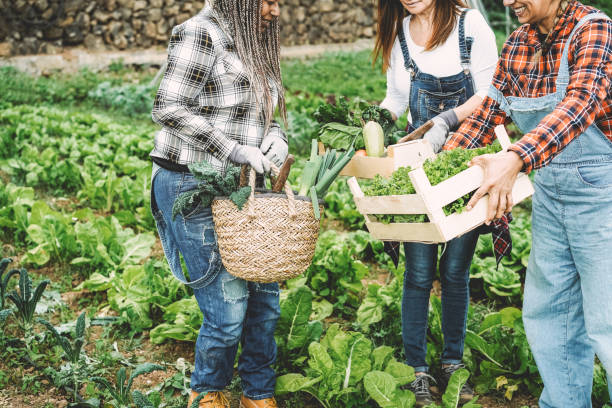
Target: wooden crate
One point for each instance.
(430, 200)
(412, 154)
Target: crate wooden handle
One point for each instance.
(502, 136)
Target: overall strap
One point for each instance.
(563, 74)
(499, 97)
(465, 44)
(408, 62)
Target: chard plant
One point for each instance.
(120, 391)
(344, 370)
(25, 301)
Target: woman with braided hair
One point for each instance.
(554, 81)
(216, 103)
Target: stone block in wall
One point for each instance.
(53, 33)
(73, 6)
(367, 32)
(93, 42)
(332, 18)
(66, 22)
(126, 13)
(325, 6)
(155, 14)
(47, 14)
(156, 3)
(101, 16)
(83, 21)
(150, 29)
(126, 3)
(50, 48)
(110, 5)
(162, 30)
(73, 35)
(139, 5)
(299, 14)
(171, 11)
(41, 5)
(181, 18)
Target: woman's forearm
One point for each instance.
(465, 110)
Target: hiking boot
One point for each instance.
(213, 399)
(262, 403)
(466, 393)
(420, 389)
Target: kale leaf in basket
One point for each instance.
(212, 183)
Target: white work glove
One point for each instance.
(252, 156)
(436, 136)
(275, 149)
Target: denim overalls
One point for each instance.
(567, 307)
(429, 96)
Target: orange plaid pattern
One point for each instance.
(588, 99)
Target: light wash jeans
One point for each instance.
(567, 308)
(234, 310)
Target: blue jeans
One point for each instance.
(234, 310)
(421, 260)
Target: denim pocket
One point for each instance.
(596, 175)
(434, 103)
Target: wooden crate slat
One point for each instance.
(412, 153)
(392, 204)
(459, 223)
(457, 186)
(425, 231)
(368, 167)
(502, 136)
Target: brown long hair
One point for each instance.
(391, 14)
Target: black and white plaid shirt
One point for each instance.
(205, 103)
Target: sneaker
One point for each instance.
(466, 393)
(420, 389)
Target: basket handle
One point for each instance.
(287, 188)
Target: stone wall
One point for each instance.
(50, 26)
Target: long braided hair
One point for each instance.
(563, 5)
(258, 51)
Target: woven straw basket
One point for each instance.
(271, 239)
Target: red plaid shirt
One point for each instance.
(588, 99)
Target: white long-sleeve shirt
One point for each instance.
(442, 61)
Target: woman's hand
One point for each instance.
(275, 149)
(500, 172)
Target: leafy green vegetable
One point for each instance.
(212, 184)
(333, 112)
(441, 167)
(341, 137)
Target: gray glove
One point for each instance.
(275, 149)
(436, 136)
(252, 156)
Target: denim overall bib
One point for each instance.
(429, 96)
(567, 307)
